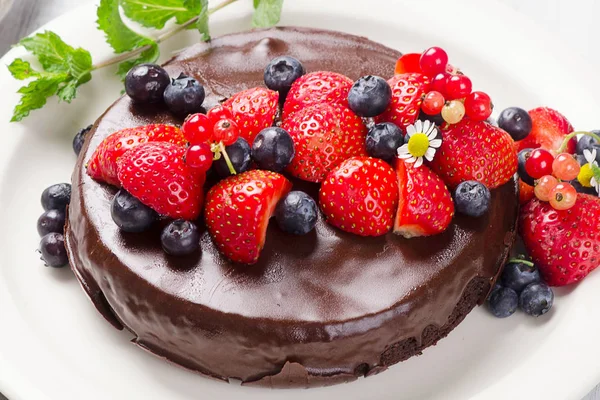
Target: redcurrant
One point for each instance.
(439, 83)
(218, 112)
(544, 186)
(565, 167)
(196, 129)
(458, 87)
(539, 163)
(225, 131)
(199, 156)
(433, 61)
(563, 196)
(478, 106)
(433, 103)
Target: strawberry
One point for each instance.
(238, 210)
(324, 135)
(475, 151)
(526, 192)
(549, 128)
(157, 175)
(425, 206)
(317, 87)
(410, 62)
(565, 244)
(103, 163)
(407, 95)
(253, 110)
(360, 196)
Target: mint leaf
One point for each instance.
(596, 172)
(156, 13)
(267, 13)
(118, 35)
(147, 56)
(202, 23)
(20, 70)
(35, 94)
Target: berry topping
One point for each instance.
(433, 103)
(146, 83)
(425, 206)
(503, 302)
(544, 187)
(522, 157)
(197, 128)
(184, 96)
(297, 213)
(317, 87)
(478, 106)
(408, 91)
(199, 157)
(536, 299)
(156, 174)
(253, 110)
(408, 63)
(324, 135)
(51, 221)
(549, 128)
(238, 210)
(563, 196)
(281, 73)
(369, 96)
(588, 143)
(218, 112)
(453, 112)
(516, 122)
(565, 167)
(422, 143)
(564, 244)
(273, 149)
(518, 274)
(56, 197)
(526, 192)
(383, 140)
(539, 163)
(360, 196)
(180, 238)
(475, 151)
(52, 248)
(472, 198)
(239, 155)
(79, 139)
(130, 214)
(226, 131)
(458, 87)
(438, 83)
(433, 61)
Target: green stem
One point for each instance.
(520, 261)
(570, 136)
(227, 160)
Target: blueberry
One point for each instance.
(239, 154)
(472, 198)
(281, 73)
(522, 157)
(517, 275)
(51, 221)
(587, 142)
(56, 197)
(516, 122)
(54, 253)
(536, 299)
(180, 238)
(297, 213)
(130, 214)
(146, 83)
(436, 119)
(383, 140)
(184, 96)
(80, 138)
(369, 96)
(503, 302)
(273, 149)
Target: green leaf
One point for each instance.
(267, 13)
(35, 94)
(202, 23)
(156, 13)
(68, 91)
(147, 56)
(596, 172)
(118, 35)
(22, 70)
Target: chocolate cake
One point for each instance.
(318, 309)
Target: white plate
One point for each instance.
(54, 345)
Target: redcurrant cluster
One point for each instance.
(208, 135)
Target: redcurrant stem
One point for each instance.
(570, 136)
(227, 160)
(521, 261)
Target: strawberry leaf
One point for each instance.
(267, 13)
(156, 13)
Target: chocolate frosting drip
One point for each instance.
(325, 305)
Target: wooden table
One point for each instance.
(573, 21)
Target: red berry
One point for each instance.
(218, 112)
(408, 63)
(563, 196)
(225, 131)
(197, 129)
(478, 106)
(565, 167)
(544, 186)
(539, 163)
(433, 61)
(253, 110)
(199, 157)
(433, 103)
(439, 83)
(458, 87)
(407, 95)
(549, 128)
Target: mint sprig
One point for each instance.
(267, 13)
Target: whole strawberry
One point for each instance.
(157, 175)
(407, 96)
(238, 210)
(102, 165)
(360, 196)
(317, 87)
(324, 135)
(565, 245)
(475, 151)
(425, 204)
(549, 128)
(253, 110)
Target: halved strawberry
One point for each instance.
(549, 128)
(103, 163)
(407, 96)
(324, 135)
(253, 110)
(475, 151)
(408, 63)
(157, 175)
(425, 206)
(238, 210)
(360, 196)
(526, 192)
(317, 87)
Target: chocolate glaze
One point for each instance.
(317, 309)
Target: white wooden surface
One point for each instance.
(573, 21)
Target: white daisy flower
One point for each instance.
(422, 142)
(586, 176)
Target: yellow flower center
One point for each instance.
(585, 175)
(418, 144)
